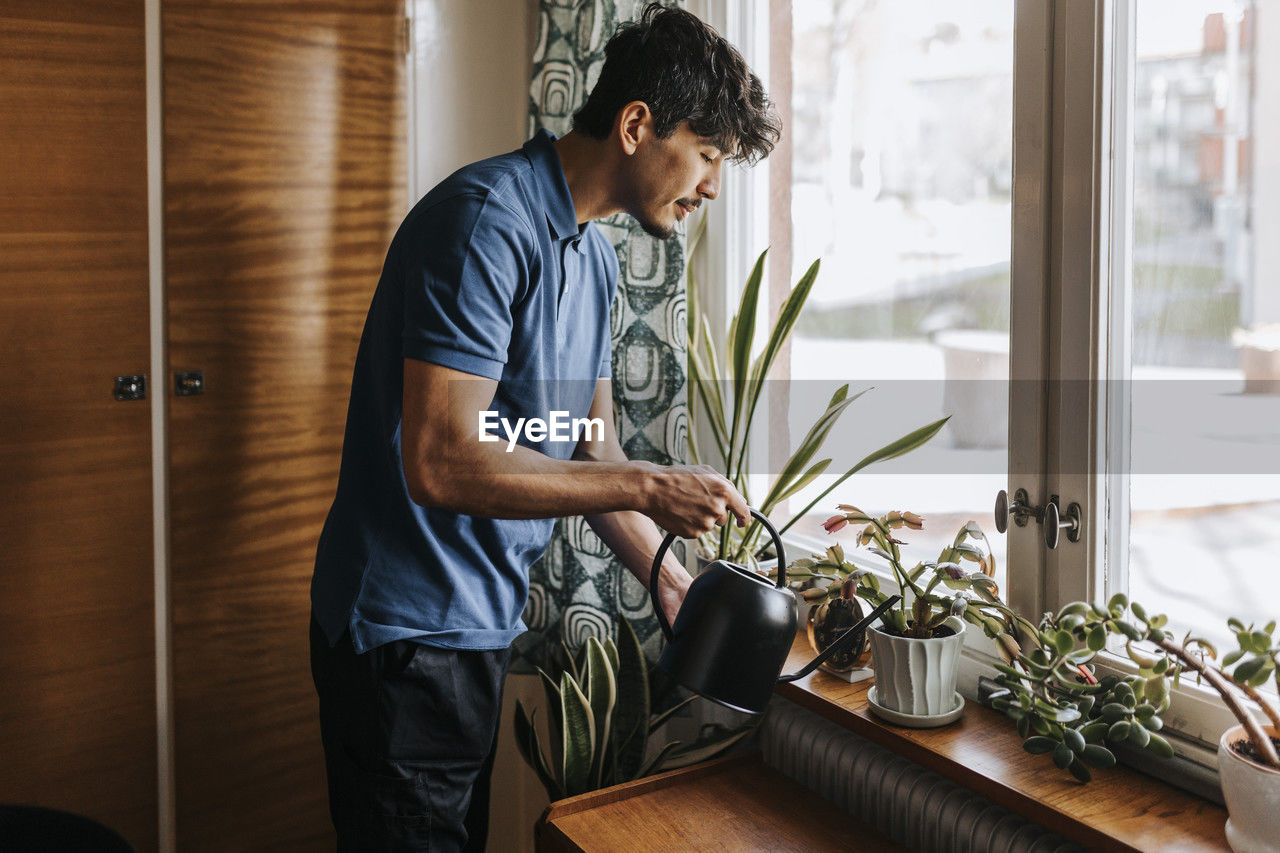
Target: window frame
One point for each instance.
(1073, 68)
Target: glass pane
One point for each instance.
(902, 168)
(1204, 334)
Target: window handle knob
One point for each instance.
(1054, 523)
(1021, 509)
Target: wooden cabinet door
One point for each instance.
(284, 180)
(77, 607)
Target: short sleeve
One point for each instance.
(611, 280)
(468, 265)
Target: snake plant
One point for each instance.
(725, 397)
(601, 715)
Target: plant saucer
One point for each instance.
(915, 721)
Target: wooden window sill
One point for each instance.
(1120, 809)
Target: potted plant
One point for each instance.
(601, 713)
(916, 647)
(1077, 718)
(725, 396)
(1249, 755)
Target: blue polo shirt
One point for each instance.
(491, 275)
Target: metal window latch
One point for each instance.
(1054, 524)
(1048, 515)
(1021, 509)
(188, 382)
(133, 387)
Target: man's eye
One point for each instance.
(705, 157)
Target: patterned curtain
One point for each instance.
(578, 589)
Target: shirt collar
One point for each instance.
(549, 176)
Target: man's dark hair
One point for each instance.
(684, 71)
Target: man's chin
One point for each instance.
(657, 229)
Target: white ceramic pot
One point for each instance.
(917, 676)
(1252, 792)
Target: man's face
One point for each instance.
(669, 178)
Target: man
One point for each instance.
(493, 307)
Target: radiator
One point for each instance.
(914, 806)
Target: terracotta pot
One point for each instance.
(1252, 792)
(827, 622)
(917, 676)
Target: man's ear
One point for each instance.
(634, 124)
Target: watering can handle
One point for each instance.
(666, 544)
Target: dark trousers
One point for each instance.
(409, 733)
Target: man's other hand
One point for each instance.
(689, 500)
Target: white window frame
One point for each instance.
(1072, 69)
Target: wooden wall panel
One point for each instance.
(77, 643)
(284, 180)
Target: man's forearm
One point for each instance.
(635, 540)
(490, 482)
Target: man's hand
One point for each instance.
(672, 588)
(689, 500)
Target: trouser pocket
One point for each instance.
(439, 705)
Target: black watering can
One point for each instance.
(735, 629)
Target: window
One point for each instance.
(1065, 195)
(1196, 300)
(901, 125)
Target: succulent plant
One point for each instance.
(1062, 709)
(933, 590)
(1051, 691)
(601, 714)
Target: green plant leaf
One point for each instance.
(805, 479)
(1094, 731)
(555, 721)
(811, 443)
(631, 713)
(1038, 744)
(893, 449)
(1079, 771)
(708, 397)
(788, 313)
(1097, 756)
(655, 763)
(742, 330)
(659, 719)
(611, 652)
(601, 695)
(526, 735)
(1074, 740)
(1245, 672)
(1260, 678)
(570, 662)
(579, 737)
(1139, 736)
(1159, 746)
(685, 756)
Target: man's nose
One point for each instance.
(710, 186)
